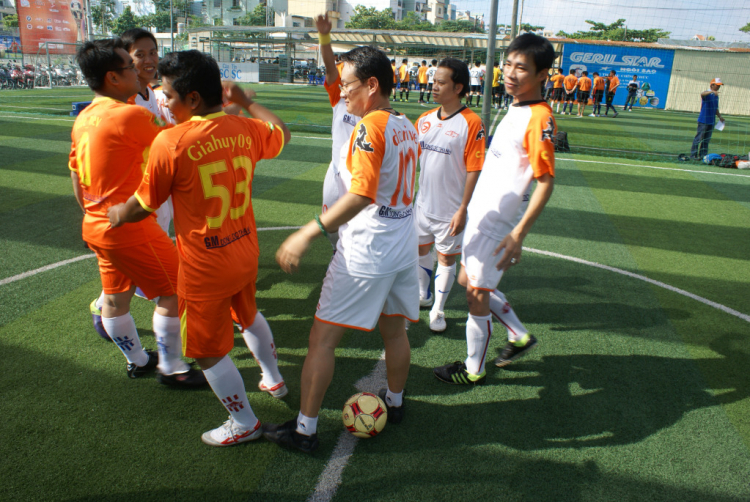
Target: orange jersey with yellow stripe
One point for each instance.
(599, 83)
(422, 75)
(521, 150)
(558, 80)
(207, 166)
(614, 83)
(395, 72)
(109, 150)
(570, 82)
(403, 73)
(584, 84)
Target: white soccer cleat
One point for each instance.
(437, 321)
(427, 302)
(592, 115)
(230, 434)
(278, 391)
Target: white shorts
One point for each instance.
(478, 262)
(438, 232)
(358, 302)
(331, 192)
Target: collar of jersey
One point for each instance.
(210, 116)
(105, 98)
(439, 115)
(527, 103)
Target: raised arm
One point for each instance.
(255, 110)
(329, 60)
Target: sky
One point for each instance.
(684, 18)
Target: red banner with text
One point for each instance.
(56, 22)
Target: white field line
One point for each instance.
(653, 167)
(36, 108)
(330, 478)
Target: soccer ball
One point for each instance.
(365, 415)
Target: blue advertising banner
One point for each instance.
(10, 46)
(652, 66)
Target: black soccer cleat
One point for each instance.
(286, 435)
(190, 379)
(395, 413)
(511, 352)
(138, 371)
(456, 373)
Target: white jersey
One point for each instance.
(342, 124)
(449, 147)
(381, 164)
(521, 150)
(156, 104)
(476, 74)
(431, 74)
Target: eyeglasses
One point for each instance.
(131, 66)
(344, 86)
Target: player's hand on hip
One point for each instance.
(291, 251)
(458, 222)
(511, 248)
(113, 213)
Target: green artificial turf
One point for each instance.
(634, 392)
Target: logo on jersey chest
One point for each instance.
(360, 142)
(348, 119)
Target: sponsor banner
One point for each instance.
(56, 22)
(653, 67)
(9, 46)
(240, 72)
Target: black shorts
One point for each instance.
(598, 96)
(476, 89)
(610, 97)
(569, 97)
(496, 91)
(557, 94)
(422, 87)
(583, 96)
(429, 86)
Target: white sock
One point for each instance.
(307, 425)
(424, 271)
(503, 312)
(444, 277)
(122, 331)
(259, 340)
(478, 333)
(100, 301)
(226, 382)
(393, 399)
(169, 343)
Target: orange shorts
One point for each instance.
(206, 326)
(151, 266)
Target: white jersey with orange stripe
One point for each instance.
(156, 104)
(449, 147)
(522, 149)
(381, 164)
(342, 124)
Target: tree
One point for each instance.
(256, 17)
(103, 15)
(369, 18)
(125, 21)
(616, 31)
(746, 28)
(412, 22)
(10, 21)
(528, 28)
(462, 26)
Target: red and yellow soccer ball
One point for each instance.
(365, 415)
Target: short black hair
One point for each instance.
(424, 62)
(404, 61)
(497, 63)
(572, 71)
(596, 73)
(459, 75)
(371, 62)
(585, 73)
(393, 61)
(538, 48)
(97, 58)
(193, 71)
(132, 36)
(613, 71)
(635, 76)
(477, 63)
(434, 62)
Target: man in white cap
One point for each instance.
(706, 120)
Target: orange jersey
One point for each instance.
(558, 80)
(403, 73)
(207, 166)
(584, 84)
(614, 82)
(598, 83)
(110, 147)
(422, 75)
(570, 81)
(393, 66)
